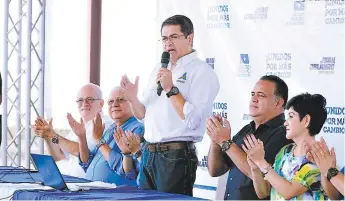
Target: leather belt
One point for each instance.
(159, 147)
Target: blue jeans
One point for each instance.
(171, 171)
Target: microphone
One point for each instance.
(164, 63)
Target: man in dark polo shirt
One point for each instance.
(266, 107)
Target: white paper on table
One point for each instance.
(90, 185)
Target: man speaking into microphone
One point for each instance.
(175, 119)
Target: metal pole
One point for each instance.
(28, 85)
(95, 29)
(4, 87)
(19, 87)
(41, 86)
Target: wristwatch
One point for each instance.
(55, 139)
(137, 154)
(226, 145)
(100, 143)
(173, 91)
(332, 172)
(265, 169)
(128, 154)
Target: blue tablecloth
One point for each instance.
(120, 193)
(19, 175)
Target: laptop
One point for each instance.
(52, 176)
(49, 172)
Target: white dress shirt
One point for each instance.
(70, 165)
(198, 84)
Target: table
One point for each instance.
(119, 193)
(10, 174)
(24, 185)
(16, 178)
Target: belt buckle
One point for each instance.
(164, 147)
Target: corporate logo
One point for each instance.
(335, 12)
(183, 78)
(210, 62)
(244, 69)
(279, 64)
(298, 13)
(203, 163)
(299, 5)
(218, 17)
(259, 13)
(335, 120)
(325, 66)
(220, 108)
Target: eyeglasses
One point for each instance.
(171, 38)
(118, 100)
(87, 100)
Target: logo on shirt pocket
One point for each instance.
(183, 78)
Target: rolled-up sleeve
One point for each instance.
(86, 165)
(199, 102)
(133, 173)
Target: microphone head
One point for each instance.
(165, 58)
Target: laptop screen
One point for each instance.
(49, 172)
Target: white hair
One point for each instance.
(96, 89)
(116, 88)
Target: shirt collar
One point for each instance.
(129, 121)
(187, 58)
(274, 122)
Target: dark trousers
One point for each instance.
(171, 171)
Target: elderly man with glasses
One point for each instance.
(105, 161)
(65, 150)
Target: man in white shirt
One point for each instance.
(65, 150)
(175, 120)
